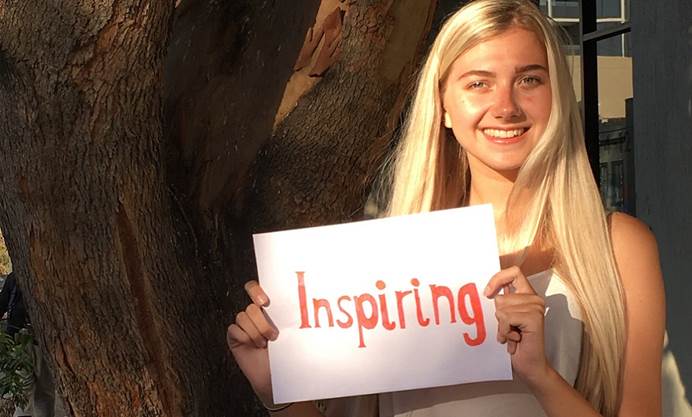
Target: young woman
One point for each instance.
(495, 120)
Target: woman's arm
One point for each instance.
(636, 255)
(247, 339)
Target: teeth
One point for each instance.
(504, 134)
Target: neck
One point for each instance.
(491, 187)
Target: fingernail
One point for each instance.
(262, 299)
(486, 291)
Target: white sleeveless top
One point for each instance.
(563, 335)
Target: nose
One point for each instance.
(505, 104)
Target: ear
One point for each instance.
(447, 120)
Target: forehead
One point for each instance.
(515, 47)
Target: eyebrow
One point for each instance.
(518, 70)
(532, 67)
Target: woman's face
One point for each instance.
(497, 100)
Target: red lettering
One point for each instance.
(349, 322)
(383, 307)
(368, 312)
(400, 308)
(419, 313)
(437, 291)
(470, 291)
(318, 303)
(302, 298)
(363, 321)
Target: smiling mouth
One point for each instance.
(503, 134)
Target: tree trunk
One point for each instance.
(86, 209)
(319, 166)
(128, 130)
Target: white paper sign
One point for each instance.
(382, 305)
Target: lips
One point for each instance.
(504, 136)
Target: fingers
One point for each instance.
(502, 301)
(261, 322)
(503, 326)
(244, 322)
(252, 326)
(516, 319)
(256, 326)
(236, 337)
(510, 277)
(506, 329)
(509, 329)
(256, 293)
(515, 314)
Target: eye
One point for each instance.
(530, 81)
(475, 85)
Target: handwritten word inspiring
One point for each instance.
(377, 311)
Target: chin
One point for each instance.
(506, 167)
(508, 172)
(506, 164)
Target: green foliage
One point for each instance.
(5, 263)
(16, 367)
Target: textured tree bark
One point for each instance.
(319, 166)
(226, 68)
(127, 131)
(85, 207)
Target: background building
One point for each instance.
(643, 96)
(615, 88)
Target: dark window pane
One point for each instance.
(618, 183)
(610, 46)
(612, 189)
(571, 31)
(604, 179)
(543, 4)
(608, 8)
(565, 8)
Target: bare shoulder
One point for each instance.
(624, 226)
(636, 256)
(634, 245)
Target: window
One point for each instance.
(613, 46)
(612, 185)
(609, 14)
(599, 40)
(608, 8)
(565, 8)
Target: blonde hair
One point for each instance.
(430, 172)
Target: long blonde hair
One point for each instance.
(554, 198)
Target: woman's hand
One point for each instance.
(247, 338)
(520, 313)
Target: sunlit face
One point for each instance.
(497, 100)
